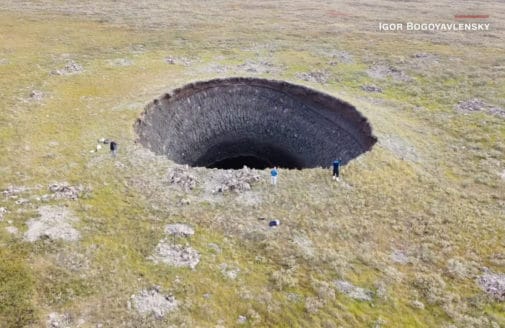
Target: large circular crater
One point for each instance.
(229, 123)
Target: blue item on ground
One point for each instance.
(274, 223)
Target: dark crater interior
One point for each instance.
(229, 123)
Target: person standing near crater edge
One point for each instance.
(113, 148)
(336, 170)
(273, 176)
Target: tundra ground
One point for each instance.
(413, 235)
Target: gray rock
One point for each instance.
(64, 190)
(14, 191)
(181, 176)
(152, 301)
(232, 180)
(472, 105)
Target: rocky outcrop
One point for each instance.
(153, 301)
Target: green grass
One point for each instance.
(16, 289)
(446, 204)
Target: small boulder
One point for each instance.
(12, 191)
(234, 180)
(64, 190)
(181, 177)
(472, 105)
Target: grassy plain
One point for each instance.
(432, 189)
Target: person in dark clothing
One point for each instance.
(113, 148)
(336, 170)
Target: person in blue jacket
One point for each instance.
(336, 170)
(273, 175)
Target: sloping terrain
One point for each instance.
(411, 236)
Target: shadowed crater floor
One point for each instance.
(229, 123)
